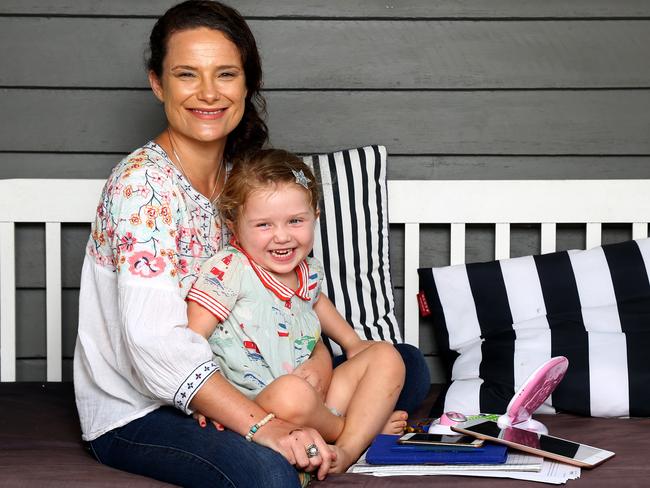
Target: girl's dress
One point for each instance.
(266, 329)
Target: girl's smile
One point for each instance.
(276, 229)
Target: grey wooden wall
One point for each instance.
(456, 89)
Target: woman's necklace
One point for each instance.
(212, 198)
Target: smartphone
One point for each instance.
(542, 445)
(440, 440)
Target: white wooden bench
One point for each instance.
(411, 203)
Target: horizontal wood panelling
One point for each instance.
(30, 322)
(436, 369)
(70, 321)
(347, 8)
(351, 55)
(56, 165)
(512, 122)
(539, 122)
(30, 254)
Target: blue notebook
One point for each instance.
(385, 450)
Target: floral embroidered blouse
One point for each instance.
(134, 352)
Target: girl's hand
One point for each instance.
(312, 373)
(292, 442)
(317, 370)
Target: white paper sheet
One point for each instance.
(517, 466)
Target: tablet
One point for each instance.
(540, 444)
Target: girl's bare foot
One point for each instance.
(396, 423)
(342, 461)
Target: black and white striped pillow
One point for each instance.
(498, 321)
(352, 240)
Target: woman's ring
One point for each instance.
(312, 450)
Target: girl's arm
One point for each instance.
(335, 327)
(200, 320)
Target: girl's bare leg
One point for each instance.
(365, 389)
(292, 399)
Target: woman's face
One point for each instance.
(203, 85)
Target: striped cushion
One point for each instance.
(352, 241)
(497, 321)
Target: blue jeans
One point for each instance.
(170, 446)
(417, 381)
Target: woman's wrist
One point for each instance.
(257, 426)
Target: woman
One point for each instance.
(155, 226)
(135, 358)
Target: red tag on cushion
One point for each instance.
(424, 306)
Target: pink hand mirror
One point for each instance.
(532, 393)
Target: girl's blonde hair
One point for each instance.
(259, 170)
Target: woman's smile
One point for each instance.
(203, 85)
(207, 114)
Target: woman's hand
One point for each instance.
(217, 398)
(289, 440)
(292, 442)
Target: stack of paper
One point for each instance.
(514, 462)
(516, 465)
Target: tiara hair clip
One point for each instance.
(301, 179)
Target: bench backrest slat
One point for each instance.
(639, 230)
(53, 300)
(7, 302)
(411, 203)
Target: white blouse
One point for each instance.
(134, 351)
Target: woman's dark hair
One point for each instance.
(251, 133)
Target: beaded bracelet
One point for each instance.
(258, 425)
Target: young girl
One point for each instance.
(260, 305)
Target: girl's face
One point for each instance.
(203, 85)
(276, 229)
